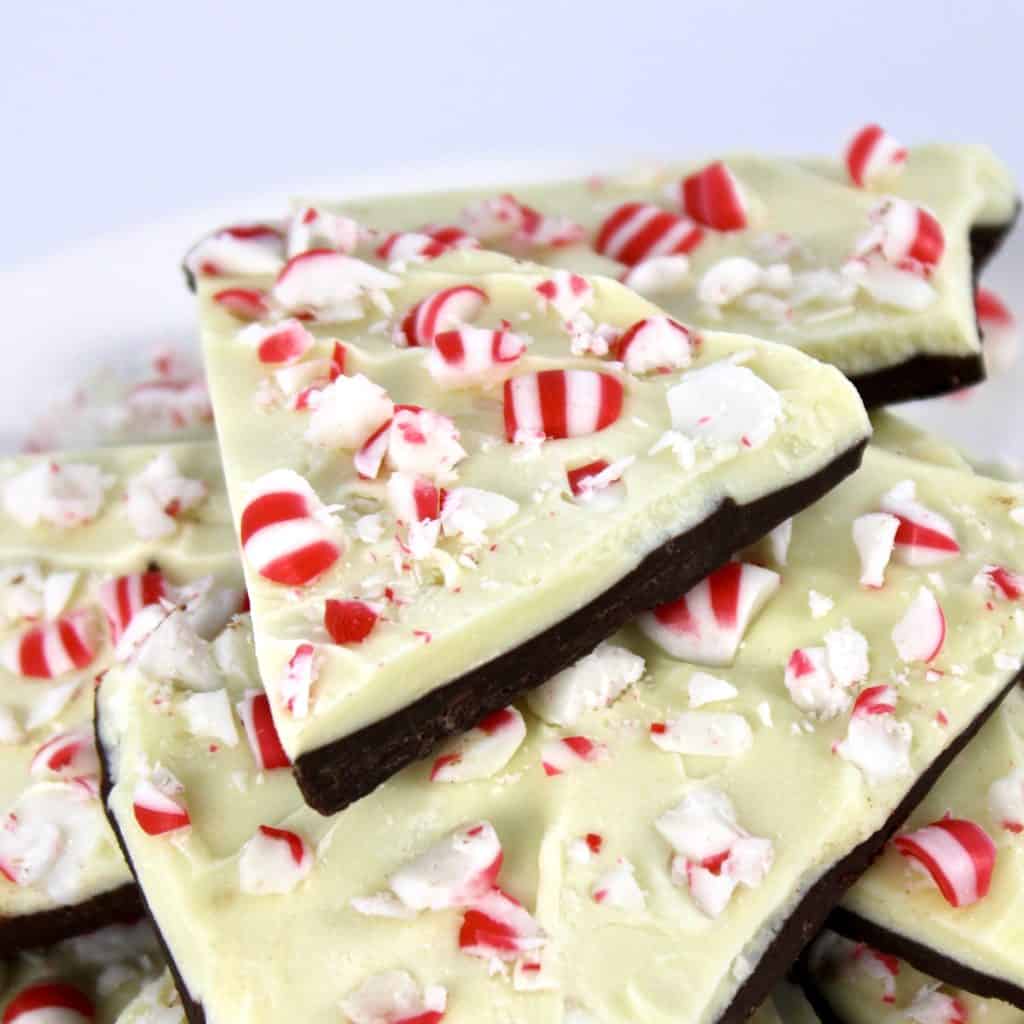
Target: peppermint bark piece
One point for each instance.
(946, 894)
(854, 983)
(92, 977)
(91, 544)
(449, 486)
(611, 849)
(874, 275)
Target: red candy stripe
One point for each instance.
(68, 1005)
(243, 303)
(442, 311)
(349, 622)
(53, 649)
(870, 152)
(637, 231)
(124, 597)
(262, 733)
(561, 403)
(713, 197)
(958, 854)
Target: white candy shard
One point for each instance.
(424, 442)
(704, 688)
(483, 751)
(64, 495)
(347, 412)
(924, 537)
(593, 682)
(930, 1006)
(156, 497)
(1006, 800)
(330, 285)
(725, 404)
(657, 275)
(812, 684)
(313, 228)
(779, 540)
(455, 872)
(704, 733)
(273, 861)
(619, 888)
(469, 512)
(876, 742)
(210, 715)
(394, 997)
(874, 535)
(919, 636)
(846, 651)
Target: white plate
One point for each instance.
(111, 301)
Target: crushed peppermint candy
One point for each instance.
(65, 495)
(156, 498)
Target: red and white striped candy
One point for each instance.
(349, 622)
(812, 685)
(424, 442)
(581, 478)
(637, 231)
(328, 284)
(471, 355)
(299, 677)
(68, 644)
(707, 625)
(442, 311)
(932, 1006)
(558, 404)
(305, 382)
(413, 498)
(312, 228)
(618, 888)
(456, 871)
(157, 805)
(499, 926)
(68, 755)
(657, 344)
(958, 854)
(239, 249)
(923, 537)
(393, 997)
(876, 742)
(567, 293)
(713, 197)
(274, 860)
(882, 966)
(873, 154)
(876, 700)
(1003, 582)
(921, 633)
(909, 233)
(998, 330)
(348, 412)
(243, 303)
(483, 751)
(283, 533)
(560, 756)
(411, 246)
(49, 1002)
(278, 344)
(124, 597)
(506, 218)
(264, 742)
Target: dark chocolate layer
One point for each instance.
(122, 905)
(339, 773)
(931, 961)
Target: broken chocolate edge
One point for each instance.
(21, 932)
(812, 912)
(337, 774)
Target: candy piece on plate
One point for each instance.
(586, 843)
(489, 488)
(865, 260)
(94, 548)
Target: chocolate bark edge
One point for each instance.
(339, 773)
(194, 1012)
(23, 932)
(790, 941)
(926, 959)
(812, 913)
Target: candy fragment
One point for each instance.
(50, 1002)
(707, 625)
(65, 495)
(638, 231)
(923, 537)
(349, 622)
(921, 633)
(566, 754)
(442, 311)
(466, 356)
(54, 649)
(1006, 801)
(931, 1006)
(567, 293)
(713, 197)
(157, 804)
(657, 344)
(283, 533)
(240, 249)
(873, 154)
(273, 861)
(498, 926)
(595, 681)
(329, 285)
(958, 854)
(67, 755)
(483, 751)
(312, 228)
(123, 597)
(243, 303)
(998, 330)
(157, 496)
(559, 404)
(277, 344)
(457, 871)
(394, 997)
(907, 234)
(875, 741)
(874, 536)
(704, 734)
(265, 744)
(618, 888)
(348, 412)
